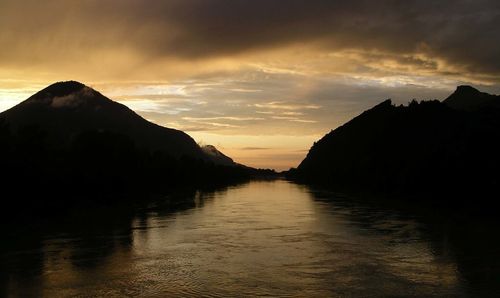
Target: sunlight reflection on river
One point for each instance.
(262, 238)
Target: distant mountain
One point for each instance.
(217, 157)
(65, 109)
(451, 146)
(468, 98)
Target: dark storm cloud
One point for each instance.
(462, 33)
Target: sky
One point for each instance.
(259, 79)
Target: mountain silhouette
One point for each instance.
(217, 157)
(468, 98)
(68, 143)
(66, 109)
(427, 147)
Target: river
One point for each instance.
(263, 238)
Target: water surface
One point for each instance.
(258, 239)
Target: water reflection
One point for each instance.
(262, 238)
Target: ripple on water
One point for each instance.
(260, 239)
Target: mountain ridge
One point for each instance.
(426, 147)
(68, 144)
(65, 109)
(217, 156)
(468, 98)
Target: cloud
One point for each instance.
(293, 119)
(72, 100)
(231, 118)
(254, 148)
(245, 90)
(217, 125)
(303, 121)
(434, 35)
(278, 105)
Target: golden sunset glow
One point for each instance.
(261, 86)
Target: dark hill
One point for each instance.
(68, 143)
(427, 147)
(469, 99)
(65, 109)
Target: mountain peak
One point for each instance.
(67, 109)
(62, 88)
(466, 89)
(67, 94)
(469, 98)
